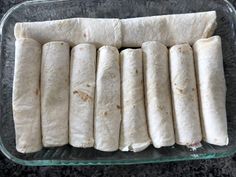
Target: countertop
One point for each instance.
(215, 167)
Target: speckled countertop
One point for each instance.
(215, 167)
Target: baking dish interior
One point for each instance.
(52, 10)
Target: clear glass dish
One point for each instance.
(54, 9)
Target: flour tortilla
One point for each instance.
(55, 93)
(107, 101)
(74, 31)
(184, 96)
(157, 91)
(168, 29)
(82, 85)
(134, 132)
(26, 96)
(212, 90)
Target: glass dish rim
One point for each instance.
(96, 162)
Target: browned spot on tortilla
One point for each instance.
(180, 90)
(136, 71)
(85, 35)
(84, 96)
(75, 92)
(88, 85)
(161, 107)
(141, 81)
(61, 43)
(118, 106)
(182, 50)
(179, 49)
(105, 113)
(193, 89)
(37, 91)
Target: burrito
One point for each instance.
(107, 100)
(132, 32)
(82, 84)
(134, 131)
(26, 96)
(157, 91)
(74, 31)
(212, 90)
(168, 29)
(55, 93)
(184, 93)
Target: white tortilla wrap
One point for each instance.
(212, 90)
(74, 31)
(157, 91)
(26, 96)
(184, 96)
(82, 85)
(132, 32)
(134, 131)
(107, 100)
(168, 29)
(55, 93)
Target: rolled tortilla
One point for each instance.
(157, 91)
(212, 90)
(107, 101)
(26, 96)
(168, 29)
(82, 84)
(55, 93)
(184, 93)
(134, 132)
(74, 31)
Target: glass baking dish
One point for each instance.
(54, 9)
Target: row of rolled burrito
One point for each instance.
(110, 100)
